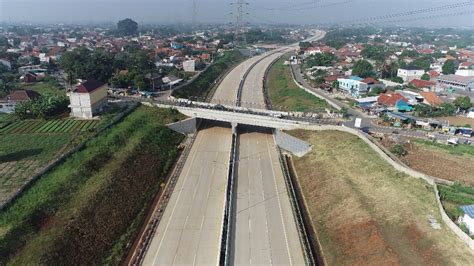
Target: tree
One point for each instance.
(304, 45)
(426, 77)
(449, 67)
(377, 53)
(363, 69)
(397, 80)
(127, 27)
(42, 107)
(324, 59)
(423, 62)
(463, 103)
(452, 53)
(375, 91)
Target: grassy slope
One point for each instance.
(43, 88)
(78, 211)
(365, 212)
(286, 95)
(202, 85)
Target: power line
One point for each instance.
(409, 13)
(422, 18)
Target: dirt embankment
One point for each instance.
(366, 213)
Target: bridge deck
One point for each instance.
(189, 232)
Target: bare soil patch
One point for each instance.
(436, 162)
(458, 120)
(365, 212)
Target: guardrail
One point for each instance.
(145, 239)
(225, 248)
(302, 233)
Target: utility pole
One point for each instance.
(195, 13)
(239, 14)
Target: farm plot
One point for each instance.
(52, 126)
(365, 212)
(22, 155)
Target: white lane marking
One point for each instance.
(279, 203)
(177, 200)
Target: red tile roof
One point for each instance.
(390, 99)
(431, 98)
(433, 74)
(422, 83)
(89, 86)
(23, 95)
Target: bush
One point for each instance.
(42, 107)
(398, 150)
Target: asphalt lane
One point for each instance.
(189, 232)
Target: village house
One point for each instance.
(7, 104)
(357, 86)
(88, 99)
(410, 73)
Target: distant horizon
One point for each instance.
(297, 12)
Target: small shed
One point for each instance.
(468, 218)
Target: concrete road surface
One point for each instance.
(226, 93)
(252, 92)
(189, 232)
(265, 230)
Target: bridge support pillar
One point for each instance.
(234, 128)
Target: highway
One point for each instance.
(189, 232)
(265, 228)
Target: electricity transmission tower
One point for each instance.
(240, 11)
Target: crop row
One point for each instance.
(52, 126)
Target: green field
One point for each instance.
(87, 209)
(45, 87)
(48, 126)
(285, 95)
(201, 86)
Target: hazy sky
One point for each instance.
(267, 11)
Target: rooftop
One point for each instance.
(468, 209)
(89, 86)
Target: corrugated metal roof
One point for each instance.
(469, 210)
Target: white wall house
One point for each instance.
(468, 218)
(410, 73)
(189, 66)
(88, 99)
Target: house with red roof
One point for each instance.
(431, 98)
(423, 84)
(88, 99)
(7, 104)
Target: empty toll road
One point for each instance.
(189, 232)
(265, 229)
